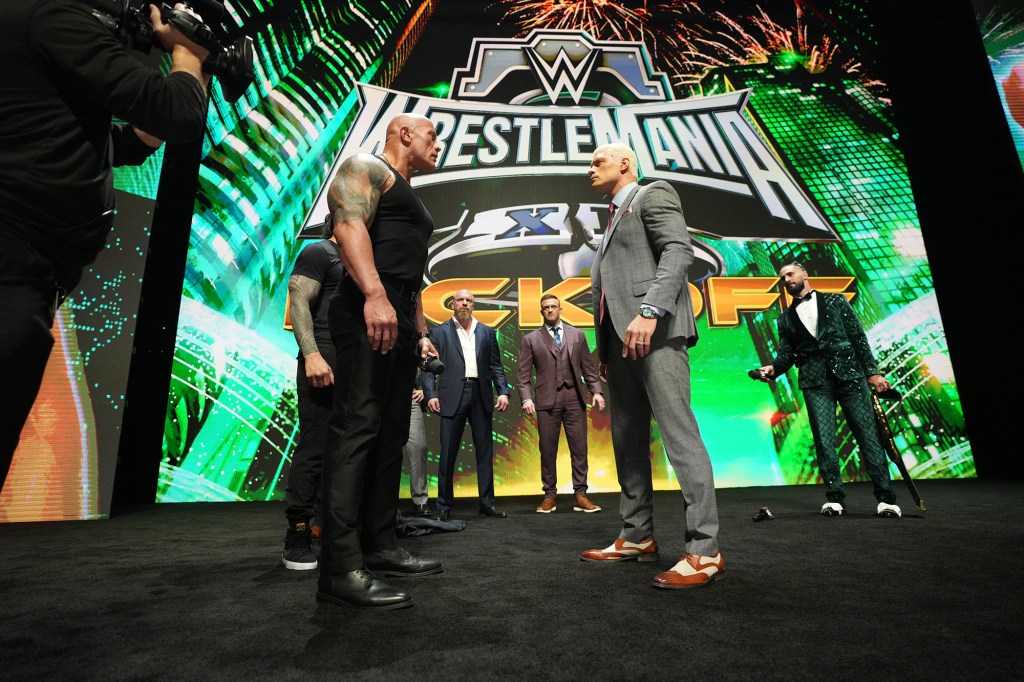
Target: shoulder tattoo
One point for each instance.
(356, 189)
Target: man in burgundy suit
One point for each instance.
(559, 354)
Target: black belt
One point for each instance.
(471, 378)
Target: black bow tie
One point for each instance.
(797, 300)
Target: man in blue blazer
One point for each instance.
(469, 350)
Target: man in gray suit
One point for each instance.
(415, 450)
(645, 326)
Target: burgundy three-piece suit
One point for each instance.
(566, 378)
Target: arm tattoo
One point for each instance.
(356, 189)
(302, 294)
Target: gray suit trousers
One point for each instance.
(659, 383)
(415, 451)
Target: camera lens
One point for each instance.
(234, 67)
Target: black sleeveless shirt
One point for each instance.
(399, 234)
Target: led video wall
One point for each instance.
(1002, 29)
(769, 120)
(64, 466)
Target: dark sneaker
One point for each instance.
(298, 552)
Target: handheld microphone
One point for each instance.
(431, 364)
(755, 374)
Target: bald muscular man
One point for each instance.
(378, 328)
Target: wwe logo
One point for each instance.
(561, 74)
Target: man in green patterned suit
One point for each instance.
(821, 335)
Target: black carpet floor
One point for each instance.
(198, 592)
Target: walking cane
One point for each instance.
(889, 445)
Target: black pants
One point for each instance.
(315, 411)
(363, 456)
(27, 304)
(481, 423)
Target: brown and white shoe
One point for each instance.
(692, 570)
(623, 550)
(585, 505)
(547, 506)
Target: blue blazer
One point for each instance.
(448, 386)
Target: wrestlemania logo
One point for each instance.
(510, 192)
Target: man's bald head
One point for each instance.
(409, 121)
(463, 304)
(410, 144)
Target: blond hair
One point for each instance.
(620, 150)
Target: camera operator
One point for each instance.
(63, 76)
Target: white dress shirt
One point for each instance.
(808, 313)
(467, 339)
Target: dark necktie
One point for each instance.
(558, 336)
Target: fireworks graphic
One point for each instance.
(735, 44)
(654, 22)
(686, 40)
(598, 17)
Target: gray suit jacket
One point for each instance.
(643, 259)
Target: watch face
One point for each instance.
(647, 313)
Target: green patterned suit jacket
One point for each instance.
(841, 344)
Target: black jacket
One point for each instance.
(63, 75)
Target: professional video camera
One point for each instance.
(129, 19)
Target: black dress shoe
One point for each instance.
(400, 562)
(421, 510)
(491, 511)
(444, 515)
(360, 589)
